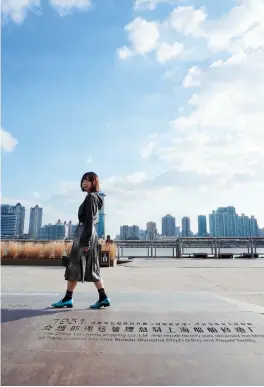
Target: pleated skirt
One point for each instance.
(83, 266)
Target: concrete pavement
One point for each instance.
(179, 322)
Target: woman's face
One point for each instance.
(87, 185)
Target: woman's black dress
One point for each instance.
(84, 266)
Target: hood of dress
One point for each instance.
(99, 200)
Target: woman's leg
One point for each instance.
(71, 285)
(67, 299)
(99, 284)
(102, 294)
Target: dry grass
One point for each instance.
(59, 249)
(12, 249)
(47, 251)
(23, 250)
(3, 249)
(38, 250)
(33, 249)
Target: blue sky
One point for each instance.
(161, 98)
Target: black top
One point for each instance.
(87, 214)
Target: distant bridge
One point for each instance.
(201, 247)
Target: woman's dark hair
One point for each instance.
(93, 178)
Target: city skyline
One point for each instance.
(184, 135)
(167, 223)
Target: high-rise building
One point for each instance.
(224, 222)
(52, 232)
(124, 232)
(186, 227)
(212, 224)
(129, 232)
(70, 230)
(8, 221)
(253, 227)
(168, 226)
(261, 232)
(202, 226)
(243, 226)
(100, 225)
(35, 221)
(142, 235)
(12, 220)
(151, 232)
(20, 211)
(177, 231)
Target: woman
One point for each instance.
(84, 258)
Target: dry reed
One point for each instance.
(12, 249)
(33, 249)
(3, 249)
(58, 249)
(23, 250)
(47, 250)
(54, 249)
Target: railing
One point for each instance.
(193, 247)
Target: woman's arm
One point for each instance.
(88, 222)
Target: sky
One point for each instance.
(163, 99)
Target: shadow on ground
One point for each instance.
(8, 315)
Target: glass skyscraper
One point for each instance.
(100, 225)
(129, 232)
(168, 226)
(53, 232)
(224, 222)
(186, 226)
(151, 232)
(35, 221)
(202, 226)
(12, 220)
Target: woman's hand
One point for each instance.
(86, 248)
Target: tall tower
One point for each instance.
(186, 226)
(12, 220)
(202, 226)
(35, 221)
(168, 226)
(151, 231)
(8, 221)
(20, 212)
(100, 226)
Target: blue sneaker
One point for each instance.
(60, 304)
(101, 304)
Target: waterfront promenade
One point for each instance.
(172, 322)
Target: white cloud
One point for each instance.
(240, 29)
(166, 52)
(136, 178)
(66, 6)
(8, 142)
(148, 149)
(215, 145)
(143, 36)
(151, 4)
(124, 53)
(187, 20)
(193, 78)
(17, 10)
(224, 132)
(36, 195)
